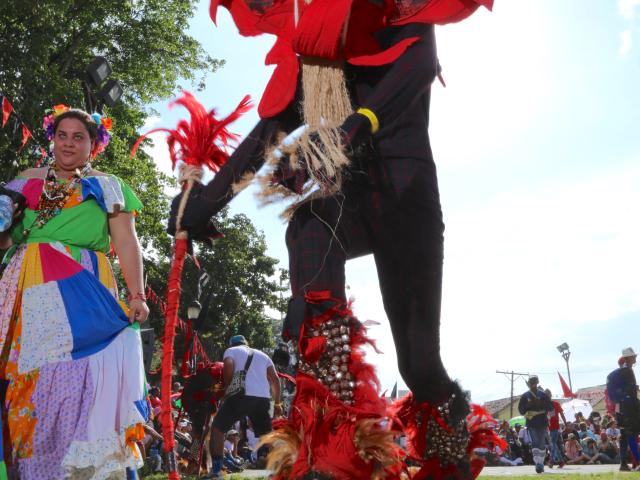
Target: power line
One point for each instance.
(513, 376)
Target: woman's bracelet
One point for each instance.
(139, 296)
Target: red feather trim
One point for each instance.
(328, 427)
(479, 425)
(202, 142)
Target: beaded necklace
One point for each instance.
(55, 195)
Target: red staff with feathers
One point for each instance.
(202, 142)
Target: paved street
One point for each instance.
(568, 469)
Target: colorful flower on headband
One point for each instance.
(60, 109)
(104, 129)
(47, 126)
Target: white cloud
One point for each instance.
(626, 42)
(626, 8)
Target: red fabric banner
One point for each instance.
(7, 108)
(198, 349)
(566, 391)
(26, 135)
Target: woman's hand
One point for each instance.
(138, 310)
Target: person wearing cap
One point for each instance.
(535, 405)
(232, 461)
(261, 382)
(627, 410)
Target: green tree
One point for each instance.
(45, 47)
(244, 287)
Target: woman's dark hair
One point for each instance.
(81, 115)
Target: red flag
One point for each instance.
(566, 391)
(26, 135)
(6, 110)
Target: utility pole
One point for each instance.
(512, 376)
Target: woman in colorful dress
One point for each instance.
(73, 386)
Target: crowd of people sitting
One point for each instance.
(591, 440)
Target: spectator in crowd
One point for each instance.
(624, 394)
(184, 427)
(231, 461)
(495, 456)
(584, 432)
(154, 400)
(609, 452)
(176, 395)
(535, 405)
(612, 431)
(261, 382)
(581, 454)
(566, 430)
(572, 449)
(248, 442)
(151, 447)
(590, 451)
(524, 444)
(556, 455)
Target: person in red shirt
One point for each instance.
(557, 456)
(154, 400)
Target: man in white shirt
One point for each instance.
(261, 382)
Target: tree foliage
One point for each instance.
(45, 47)
(245, 291)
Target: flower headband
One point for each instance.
(104, 127)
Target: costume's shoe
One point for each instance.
(338, 428)
(442, 435)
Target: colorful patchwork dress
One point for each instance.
(71, 370)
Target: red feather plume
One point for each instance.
(205, 139)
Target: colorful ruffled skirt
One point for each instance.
(71, 369)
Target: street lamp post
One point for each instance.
(193, 312)
(564, 351)
(95, 75)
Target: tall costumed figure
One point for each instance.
(343, 132)
(200, 143)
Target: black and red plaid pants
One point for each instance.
(390, 208)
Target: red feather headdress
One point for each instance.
(203, 142)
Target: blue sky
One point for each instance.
(538, 151)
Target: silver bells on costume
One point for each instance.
(448, 444)
(332, 368)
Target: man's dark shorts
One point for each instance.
(236, 408)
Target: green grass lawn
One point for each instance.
(236, 476)
(566, 476)
(163, 476)
(546, 476)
